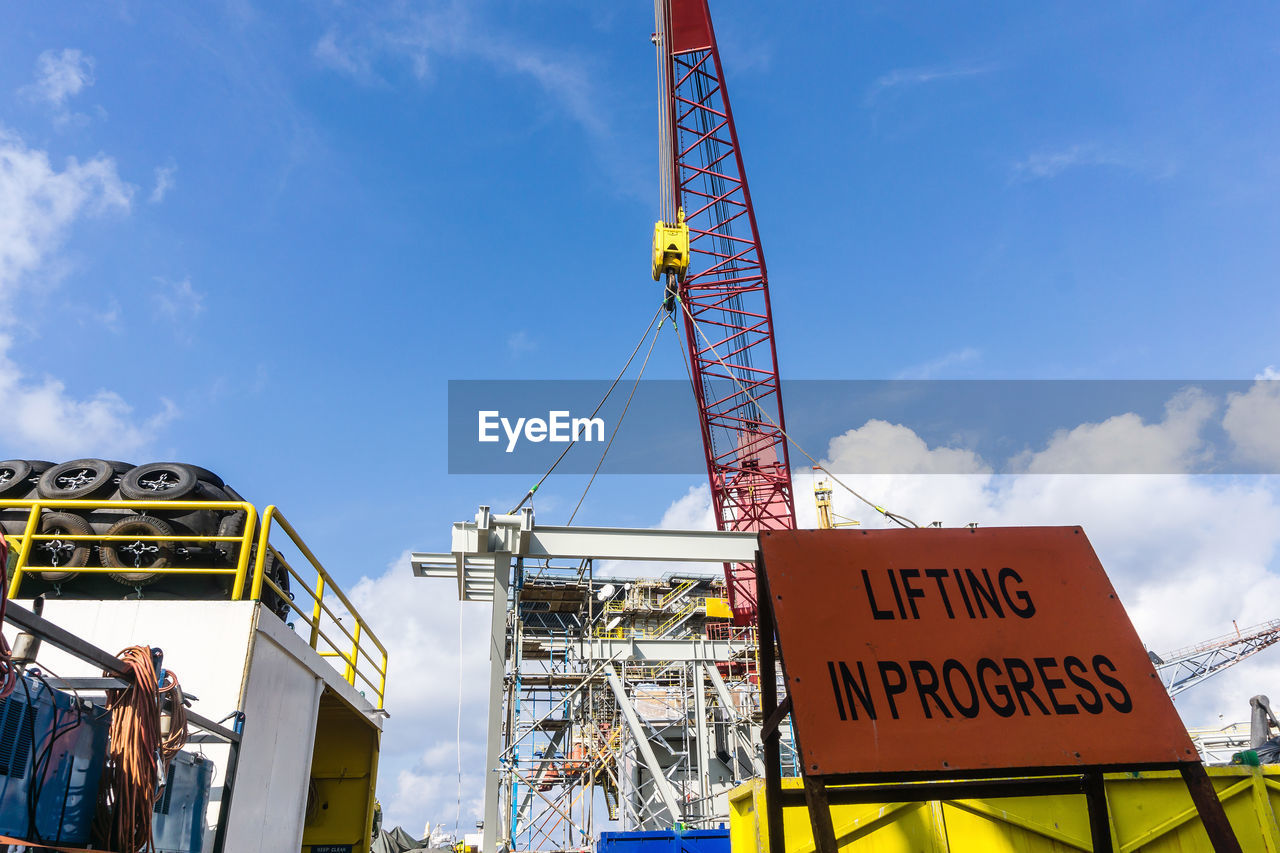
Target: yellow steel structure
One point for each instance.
(671, 248)
(344, 765)
(822, 497)
(822, 493)
(363, 656)
(1150, 813)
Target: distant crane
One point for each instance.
(1183, 669)
(822, 493)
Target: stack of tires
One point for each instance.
(134, 563)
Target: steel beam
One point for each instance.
(492, 835)
(518, 535)
(660, 781)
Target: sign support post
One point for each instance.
(822, 789)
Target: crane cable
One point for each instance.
(131, 776)
(657, 333)
(529, 494)
(666, 174)
(901, 520)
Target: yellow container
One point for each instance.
(1150, 813)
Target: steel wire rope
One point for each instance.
(599, 406)
(657, 333)
(897, 518)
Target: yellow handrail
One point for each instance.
(29, 535)
(324, 582)
(350, 652)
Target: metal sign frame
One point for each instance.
(821, 791)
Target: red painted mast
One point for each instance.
(724, 295)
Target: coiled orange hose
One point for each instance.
(175, 738)
(131, 777)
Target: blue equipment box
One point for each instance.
(178, 822)
(52, 750)
(665, 841)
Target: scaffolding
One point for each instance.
(617, 702)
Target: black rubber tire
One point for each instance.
(232, 494)
(210, 492)
(232, 524)
(79, 479)
(39, 466)
(206, 476)
(159, 481)
(14, 474)
(42, 550)
(141, 525)
(277, 572)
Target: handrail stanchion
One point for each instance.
(317, 609)
(25, 551)
(246, 546)
(268, 516)
(353, 661)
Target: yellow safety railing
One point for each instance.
(651, 631)
(27, 540)
(360, 636)
(248, 574)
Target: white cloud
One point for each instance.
(1043, 165)
(427, 33)
(428, 663)
(691, 512)
(178, 301)
(164, 183)
(60, 75)
(881, 446)
(1125, 444)
(941, 364)
(42, 417)
(1252, 421)
(38, 203)
(333, 55)
(519, 343)
(901, 78)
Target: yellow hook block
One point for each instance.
(671, 248)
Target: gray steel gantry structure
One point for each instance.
(616, 701)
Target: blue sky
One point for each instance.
(264, 237)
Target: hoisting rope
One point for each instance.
(529, 494)
(618, 425)
(897, 518)
(131, 776)
(666, 173)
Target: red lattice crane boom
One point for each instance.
(722, 285)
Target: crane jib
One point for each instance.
(724, 297)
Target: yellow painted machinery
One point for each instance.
(1151, 812)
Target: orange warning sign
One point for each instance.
(940, 651)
